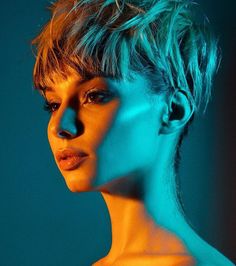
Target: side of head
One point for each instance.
(159, 39)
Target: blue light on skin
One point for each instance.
(130, 141)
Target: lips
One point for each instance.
(70, 159)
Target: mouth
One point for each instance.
(70, 159)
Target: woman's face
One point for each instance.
(114, 123)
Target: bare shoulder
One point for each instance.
(170, 260)
(212, 257)
(226, 262)
(154, 260)
(167, 260)
(216, 262)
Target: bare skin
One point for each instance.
(131, 144)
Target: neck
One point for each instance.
(144, 214)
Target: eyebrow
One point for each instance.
(80, 82)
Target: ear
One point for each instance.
(177, 112)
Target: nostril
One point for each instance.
(64, 134)
(67, 124)
(68, 129)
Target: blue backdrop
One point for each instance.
(42, 223)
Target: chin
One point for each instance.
(77, 185)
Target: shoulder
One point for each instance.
(154, 260)
(204, 253)
(169, 260)
(216, 262)
(212, 257)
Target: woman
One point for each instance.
(122, 81)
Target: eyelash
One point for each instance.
(98, 92)
(48, 106)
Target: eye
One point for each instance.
(97, 96)
(50, 107)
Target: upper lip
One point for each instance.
(68, 152)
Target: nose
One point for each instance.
(68, 125)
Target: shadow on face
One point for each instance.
(112, 121)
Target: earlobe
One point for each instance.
(177, 112)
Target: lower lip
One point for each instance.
(71, 163)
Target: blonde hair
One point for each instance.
(158, 38)
(109, 38)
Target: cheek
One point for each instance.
(51, 139)
(128, 146)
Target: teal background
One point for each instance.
(41, 222)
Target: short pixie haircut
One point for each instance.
(161, 39)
